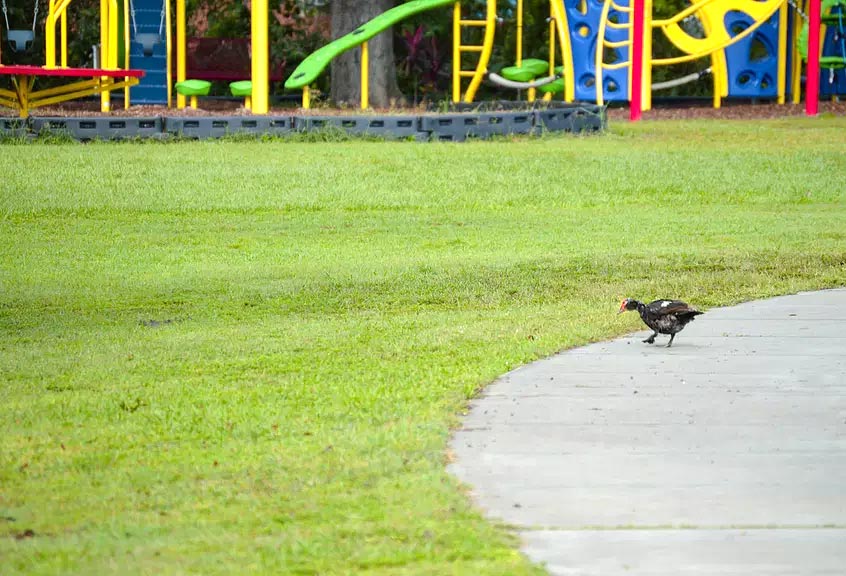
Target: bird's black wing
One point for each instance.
(664, 307)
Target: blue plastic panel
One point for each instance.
(152, 89)
(583, 40)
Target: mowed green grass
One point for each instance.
(246, 358)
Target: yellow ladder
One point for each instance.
(600, 65)
(483, 50)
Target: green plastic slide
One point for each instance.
(310, 68)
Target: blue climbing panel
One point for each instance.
(752, 63)
(148, 52)
(584, 27)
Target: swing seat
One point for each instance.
(20, 40)
(832, 62)
(528, 70)
(553, 87)
(148, 42)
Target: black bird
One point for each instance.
(662, 316)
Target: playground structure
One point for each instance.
(593, 51)
(751, 48)
(137, 36)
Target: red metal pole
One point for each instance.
(812, 71)
(636, 48)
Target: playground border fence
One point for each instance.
(450, 127)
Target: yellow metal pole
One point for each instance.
(23, 85)
(519, 56)
(365, 76)
(168, 53)
(719, 70)
(551, 41)
(50, 37)
(781, 81)
(261, 60)
(105, 101)
(456, 52)
(646, 97)
(113, 34)
(63, 19)
(566, 52)
(306, 98)
(796, 75)
(180, 49)
(548, 96)
(598, 54)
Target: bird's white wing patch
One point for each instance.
(665, 303)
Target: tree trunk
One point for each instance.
(347, 15)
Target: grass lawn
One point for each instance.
(246, 358)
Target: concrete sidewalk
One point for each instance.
(723, 455)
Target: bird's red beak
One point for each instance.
(622, 307)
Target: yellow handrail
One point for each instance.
(484, 50)
(560, 17)
(599, 53)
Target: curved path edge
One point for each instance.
(723, 455)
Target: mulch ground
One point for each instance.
(729, 111)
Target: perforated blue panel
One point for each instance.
(752, 63)
(583, 39)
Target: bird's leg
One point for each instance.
(670, 343)
(651, 339)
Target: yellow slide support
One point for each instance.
(559, 16)
(717, 37)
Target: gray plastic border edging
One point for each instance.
(451, 127)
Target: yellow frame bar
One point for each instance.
(365, 76)
(261, 56)
(781, 80)
(105, 101)
(646, 96)
(24, 99)
(796, 73)
(456, 52)
(519, 50)
(560, 17)
(597, 56)
(181, 47)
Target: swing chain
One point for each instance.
(131, 13)
(6, 14)
(34, 16)
(162, 20)
(135, 24)
(795, 6)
